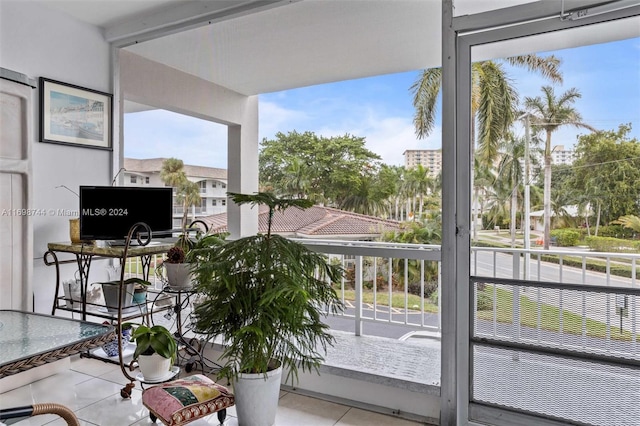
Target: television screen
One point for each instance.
(108, 212)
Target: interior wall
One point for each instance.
(41, 42)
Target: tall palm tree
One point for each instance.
(189, 195)
(493, 102)
(510, 173)
(549, 113)
(421, 184)
(172, 172)
(484, 178)
(297, 180)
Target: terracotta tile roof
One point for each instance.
(314, 222)
(154, 165)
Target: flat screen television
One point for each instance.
(109, 212)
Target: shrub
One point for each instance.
(485, 301)
(614, 245)
(616, 231)
(430, 287)
(566, 237)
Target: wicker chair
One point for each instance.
(37, 409)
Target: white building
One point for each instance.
(429, 158)
(212, 182)
(559, 155)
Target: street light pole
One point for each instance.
(527, 178)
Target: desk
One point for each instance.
(29, 340)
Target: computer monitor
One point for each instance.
(109, 212)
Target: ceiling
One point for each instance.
(262, 46)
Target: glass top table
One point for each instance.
(28, 340)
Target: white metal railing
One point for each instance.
(196, 210)
(378, 272)
(382, 283)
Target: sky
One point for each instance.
(380, 109)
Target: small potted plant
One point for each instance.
(177, 269)
(155, 352)
(110, 290)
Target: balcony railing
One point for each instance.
(409, 276)
(564, 324)
(190, 210)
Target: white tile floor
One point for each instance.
(92, 389)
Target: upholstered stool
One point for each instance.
(182, 401)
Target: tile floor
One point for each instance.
(92, 389)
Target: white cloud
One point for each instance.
(276, 118)
(388, 137)
(159, 133)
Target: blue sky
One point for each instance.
(380, 110)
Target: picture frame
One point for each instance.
(74, 115)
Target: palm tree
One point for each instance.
(296, 182)
(189, 195)
(549, 114)
(510, 173)
(493, 100)
(172, 172)
(420, 183)
(629, 221)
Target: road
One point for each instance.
(593, 305)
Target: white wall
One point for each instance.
(40, 42)
(150, 83)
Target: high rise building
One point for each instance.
(429, 158)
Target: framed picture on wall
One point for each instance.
(73, 115)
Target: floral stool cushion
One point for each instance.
(182, 401)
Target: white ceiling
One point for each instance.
(261, 46)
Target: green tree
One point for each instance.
(510, 174)
(419, 183)
(629, 221)
(549, 113)
(607, 171)
(334, 167)
(187, 193)
(493, 102)
(172, 172)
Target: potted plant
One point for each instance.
(111, 290)
(265, 296)
(155, 351)
(177, 270)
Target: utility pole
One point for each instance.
(527, 178)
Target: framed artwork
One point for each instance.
(73, 115)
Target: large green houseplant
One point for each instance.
(265, 295)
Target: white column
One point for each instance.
(243, 170)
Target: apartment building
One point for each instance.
(212, 182)
(429, 158)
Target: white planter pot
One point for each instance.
(178, 275)
(154, 367)
(110, 292)
(257, 398)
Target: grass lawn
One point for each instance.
(134, 266)
(397, 298)
(549, 317)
